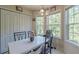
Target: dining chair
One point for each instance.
(48, 45)
(30, 34)
(19, 35)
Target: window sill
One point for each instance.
(56, 38)
(73, 43)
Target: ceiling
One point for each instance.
(36, 7)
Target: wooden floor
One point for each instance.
(54, 51)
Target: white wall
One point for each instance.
(12, 21)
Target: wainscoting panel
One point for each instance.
(12, 22)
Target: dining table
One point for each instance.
(25, 45)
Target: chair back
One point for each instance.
(19, 35)
(30, 34)
(48, 33)
(48, 44)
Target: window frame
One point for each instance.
(55, 12)
(69, 24)
(40, 25)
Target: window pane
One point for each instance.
(77, 18)
(71, 28)
(70, 12)
(76, 37)
(76, 28)
(50, 27)
(71, 36)
(76, 9)
(71, 19)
